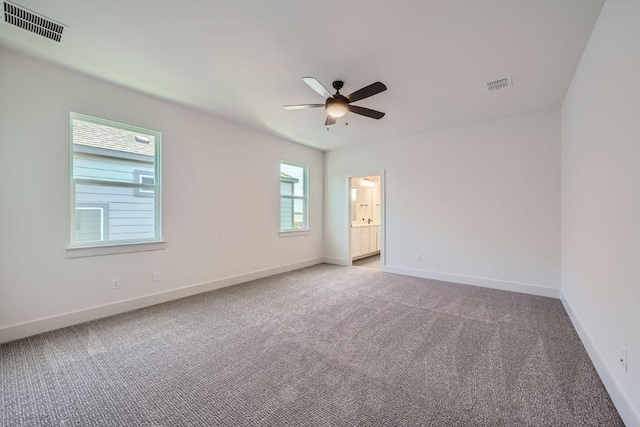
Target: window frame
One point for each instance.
(305, 199)
(138, 175)
(76, 249)
(104, 217)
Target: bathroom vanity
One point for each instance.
(365, 240)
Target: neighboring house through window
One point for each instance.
(144, 177)
(91, 222)
(116, 185)
(294, 197)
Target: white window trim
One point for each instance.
(144, 189)
(294, 233)
(112, 249)
(82, 249)
(298, 231)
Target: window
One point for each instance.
(91, 222)
(294, 197)
(143, 177)
(115, 183)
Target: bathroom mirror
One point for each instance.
(365, 200)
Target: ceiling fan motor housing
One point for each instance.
(337, 99)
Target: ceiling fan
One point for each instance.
(337, 105)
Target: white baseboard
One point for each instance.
(524, 288)
(336, 261)
(22, 330)
(628, 414)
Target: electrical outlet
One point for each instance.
(156, 276)
(418, 257)
(116, 284)
(623, 358)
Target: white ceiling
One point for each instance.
(244, 59)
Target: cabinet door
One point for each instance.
(365, 232)
(356, 242)
(366, 248)
(378, 238)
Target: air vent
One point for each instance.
(501, 83)
(31, 21)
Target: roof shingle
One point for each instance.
(110, 138)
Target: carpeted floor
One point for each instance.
(322, 346)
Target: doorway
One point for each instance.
(365, 221)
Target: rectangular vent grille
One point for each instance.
(31, 21)
(501, 83)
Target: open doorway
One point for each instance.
(365, 220)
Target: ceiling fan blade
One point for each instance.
(302, 106)
(317, 86)
(330, 121)
(367, 91)
(366, 112)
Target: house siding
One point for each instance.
(127, 215)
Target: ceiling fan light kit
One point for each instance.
(338, 105)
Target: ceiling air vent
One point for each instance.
(31, 21)
(501, 83)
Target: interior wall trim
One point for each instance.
(22, 330)
(336, 261)
(525, 288)
(628, 414)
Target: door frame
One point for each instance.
(383, 214)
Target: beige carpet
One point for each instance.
(323, 346)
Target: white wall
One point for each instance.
(480, 204)
(601, 200)
(221, 199)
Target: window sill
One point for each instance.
(122, 248)
(294, 233)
